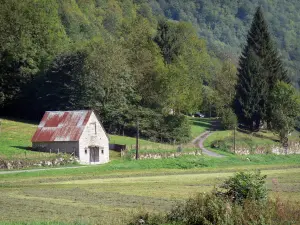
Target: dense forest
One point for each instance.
(224, 24)
(130, 60)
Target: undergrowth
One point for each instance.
(219, 207)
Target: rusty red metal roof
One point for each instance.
(61, 126)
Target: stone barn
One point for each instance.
(75, 132)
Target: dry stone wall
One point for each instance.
(60, 160)
(293, 148)
(161, 155)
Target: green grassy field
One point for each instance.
(199, 125)
(112, 197)
(249, 141)
(114, 192)
(15, 140)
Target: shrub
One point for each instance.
(228, 118)
(221, 144)
(146, 218)
(155, 126)
(245, 185)
(203, 209)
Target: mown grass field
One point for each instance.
(89, 196)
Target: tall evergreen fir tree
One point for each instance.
(261, 53)
(251, 91)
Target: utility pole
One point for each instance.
(234, 139)
(137, 140)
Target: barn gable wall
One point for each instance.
(93, 135)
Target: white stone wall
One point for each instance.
(91, 136)
(58, 147)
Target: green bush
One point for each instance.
(245, 185)
(171, 129)
(228, 118)
(209, 209)
(146, 218)
(221, 144)
(202, 209)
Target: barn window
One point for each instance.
(102, 151)
(85, 151)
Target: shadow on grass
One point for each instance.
(216, 125)
(242, 130)
(23, 148)
(256, 134)
(201, 124)
(31, 122)
(211, 123)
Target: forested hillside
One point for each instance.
(115, 57)
(224, 24)
(131, 60)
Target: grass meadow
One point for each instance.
(199, 125)
(114, 192)
(15, 139)
(92, 196)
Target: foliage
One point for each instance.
(228, 119)
(285, 109)
(219, 92)
(245, 185)
(209, 209)
(118, 56)
(187, 62)
(251, 92)
(224, 25)
(28, 41)
(60, 88)
(109, 56)
(259, 69)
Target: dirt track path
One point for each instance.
(199, 141)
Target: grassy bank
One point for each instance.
(224, 141)
(15, 139)
(199, 126)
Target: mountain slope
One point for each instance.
(224, 24)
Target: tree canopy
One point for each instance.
(133, 59)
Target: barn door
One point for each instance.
(94, 154)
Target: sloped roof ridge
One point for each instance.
(62, 126)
